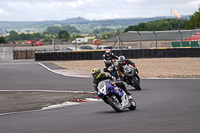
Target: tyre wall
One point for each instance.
(129, 53)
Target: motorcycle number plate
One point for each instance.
(103, 89)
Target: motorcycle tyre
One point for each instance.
(113, 105)
(133, 105)
(137, 83)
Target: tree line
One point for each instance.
(61, 33)
(168, 24)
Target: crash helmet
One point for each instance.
(108, 51)
(96, 73)
(121, 59)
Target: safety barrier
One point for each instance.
(129, 53)
(25, 54)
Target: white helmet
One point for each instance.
(121, 59)
(108, 51)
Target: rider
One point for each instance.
(108, 59)
(122, 61)
(98, 77)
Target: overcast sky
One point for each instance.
(43, 10)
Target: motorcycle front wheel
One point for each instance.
(133, 104)
(115, 104)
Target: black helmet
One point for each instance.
(96, 72)
(121, 59)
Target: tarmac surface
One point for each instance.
(23, 90)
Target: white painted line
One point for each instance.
(47, 91)
(94, 99)
(43, 109)
(49, 107)
(90, 77)
(60, 105)
(63, 73)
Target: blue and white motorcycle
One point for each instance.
(115, 96)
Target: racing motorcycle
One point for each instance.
(115, 96)
(131, 76)
(113, 68)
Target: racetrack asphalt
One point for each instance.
(32, 86)
(24, 90)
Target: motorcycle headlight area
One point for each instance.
(103, 89)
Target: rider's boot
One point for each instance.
(122, 86)
(128, 93)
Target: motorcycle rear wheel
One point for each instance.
(115, 104)
(136, 83)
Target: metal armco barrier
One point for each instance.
(129, 53)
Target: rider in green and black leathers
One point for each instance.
(98, 77)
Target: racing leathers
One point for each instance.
(108, 59)
(104, 76)
(120, 67)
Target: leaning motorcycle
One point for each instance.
(113, 68)
(115, 96)
(131, 77)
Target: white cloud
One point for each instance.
(3, 12)
(38, 10)
(134, 1)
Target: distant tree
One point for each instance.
(158, 25)
(178, 23)
(14, 36)
(2, 40)
(23, 36)
(142, 26)
(37, 35)
(96, 31)
(63, 35)
(194, 21)
(70, 29)
(53, 29)
(29, 37)
(132, 28)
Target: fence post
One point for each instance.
(181, 38)
(96, 39)
(139, 38)
(75, 42)
(156, 37)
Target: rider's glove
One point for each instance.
(113, 83)
(113, 78)
(123, 77)
(137, 70)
